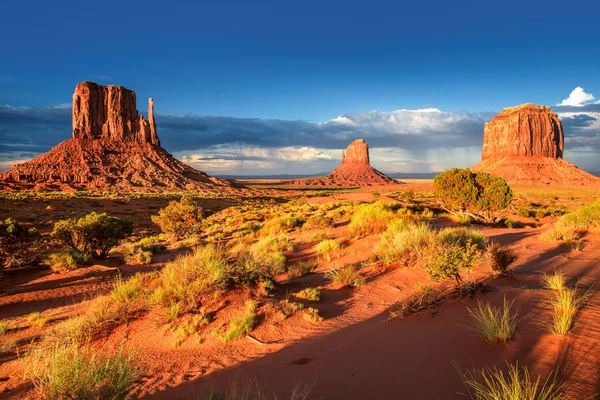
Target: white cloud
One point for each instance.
(578, 98)
(64, 106)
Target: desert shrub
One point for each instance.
(423, 288)
(312, 314)
(555, 281)
(309, 237)
(500, 258)
(94, 234)
(517, 384)
(37, 319)
(461, 218)
(266, 257)
(188, 277)
(494, 324)
(479, 194)
(309, 294)
(565, 304)
(509, 223)
(71, 372)
(301, 268)
(241, 326)
(18, 243)
(126, 291)
(67, 260)
(450, 260)
(403, 237)
(348, 275)
(282, 224)
(427, 213)
(180, 219)
(370, 219)
(141, 252)
(570, 226)
(460, 236)
(319, 220)
(523, 212)
(4, 326)
(325, 246)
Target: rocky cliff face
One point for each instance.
(113, 147)
(524, 145)
(526, 130)
(109, 113)
(355, 170)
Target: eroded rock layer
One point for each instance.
(354, 171)
(525, 145)
(113, 148)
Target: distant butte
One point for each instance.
(113, 148)
(356, 170)
(525, 145)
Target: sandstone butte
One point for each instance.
(356, 170)
(113, 148)
(525, 145)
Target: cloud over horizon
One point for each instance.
(421, 140)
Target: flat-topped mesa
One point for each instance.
(109, 113)
(357, 152)
(525, 130)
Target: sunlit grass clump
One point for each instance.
(493, 324)
(348, 275)
(242, 326)
(565, 304)
(72, 372)
(403, 237)
(555, 281)
(570, 226)
(370, 219)
(37, 319)
(515, 384)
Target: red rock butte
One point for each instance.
(113, 148)
(525, 145)
(356, 170)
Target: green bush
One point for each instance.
(67, 260)
(450, 260)
(570, 226)
(242, 326)
(460, 236)
(94, 234)
(348, 275)
(500, 258)
(180, 219)
(370, 219)
(70, 372)
(18, 243)
(479, 194)
(403, 237)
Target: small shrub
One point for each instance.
(480, 194)
(427, 213)
(517, 384)
(18, 243)
(555, 281)
(301, 268)
(423, 288)
(282, 224)
(94, 234)
(67, 260)
(4, 326)
(403, 237)
(494, 324)
(576, 245)
(509, 223)
(523, 212)
(450, 260)
(310, 237)
(461, 236)
(348, 275)
(70, 372)
(312, 314)
(126, 291)
(570, 226)
(242, 326)
(500, 258)
(370, 219)
(565, 304)
(309, 294)
(37, 319)
(180, 219)
(461, 218)
(319, 220)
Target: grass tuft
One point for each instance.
(348, 275)
(500, 258)
(37, 319)
(241, 326)
(492, 324)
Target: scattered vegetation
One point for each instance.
(37, 319)
(94, 234)
(348, 275)
(516, 384)
(67, 260)
(180, 219)
(449, 260)
(478, 195)
(370, 219)
(309, 294)
(71, 372)
(493, 324)
(462, 236)
(312, 314)
(18, 243)
(4, 326)
(500, 258)
(571, 226)
(242, 326)
(565, 304)
(326, 246)
(402, 238)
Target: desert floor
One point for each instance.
(358, 351)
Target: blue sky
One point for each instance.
(300, 62)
